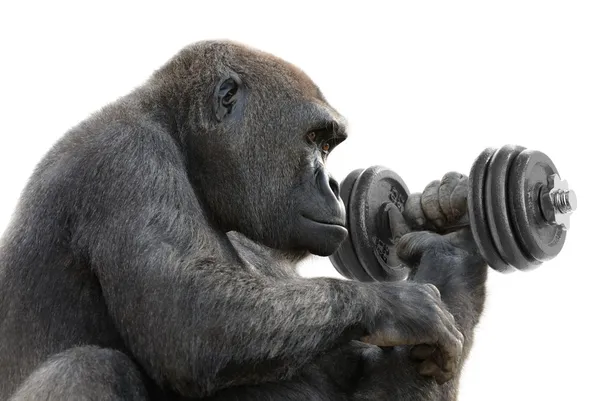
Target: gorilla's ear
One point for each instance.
(227, 94)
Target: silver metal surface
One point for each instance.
(563, 200)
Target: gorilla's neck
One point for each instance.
(167, 105)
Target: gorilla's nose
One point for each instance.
(328, 186)
(328, 205)
(335, 187)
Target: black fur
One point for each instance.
(152, 255)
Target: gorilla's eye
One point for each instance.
(319, 138)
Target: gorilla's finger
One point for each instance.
(452, 196)
(431, 367)
(452, 350)
(384, 337)
(413, 214)
(371, 354)
(457, 334)
(428, 368)
(422, 351)
(398, 225)
(458, 198)
(430, 203)
(463, 239)
(450, 317)
(451, 342)
(433, 289)
(448, 183)
(410, 247)
(442, 377)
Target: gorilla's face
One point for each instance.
(271, 134)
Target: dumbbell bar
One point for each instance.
(518, 212)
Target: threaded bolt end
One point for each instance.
(564, 201)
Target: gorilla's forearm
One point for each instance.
(239, 329)
(282, 326)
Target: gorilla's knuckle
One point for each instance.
(461, 339)
(457, 347)
(430, 202)
(433, 290)
(451, 318)
(452, 177)
(413, 211)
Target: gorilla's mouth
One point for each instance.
(333, 222)
(322, 235)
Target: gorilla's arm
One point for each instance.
(193, 315)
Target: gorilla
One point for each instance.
(152, 255)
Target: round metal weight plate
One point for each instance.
(374, 189)
(497, 208)
(531, 171)
(344, 259)
(477, 212)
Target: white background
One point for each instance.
(425, 86)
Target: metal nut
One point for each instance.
(557, 201)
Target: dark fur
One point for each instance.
(152, 255)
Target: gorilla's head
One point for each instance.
(257, 133)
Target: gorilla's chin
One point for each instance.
(320, 238)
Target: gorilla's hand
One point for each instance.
(448, 277)
(441, 207)
(411, 313)
(443, 204)
(437, 259)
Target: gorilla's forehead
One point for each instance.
(281, 71)
(282, 88)
(253, 64)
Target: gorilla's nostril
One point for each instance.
(335, 187)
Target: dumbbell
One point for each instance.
(518, 213)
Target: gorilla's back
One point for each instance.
(50, 300)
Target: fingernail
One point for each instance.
(427, 368)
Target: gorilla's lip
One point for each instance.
(338, 223)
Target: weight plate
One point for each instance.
(497, 208)
(336, 261)
(344, 259)
(530, 172)
(477, 214)
(374, 189)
